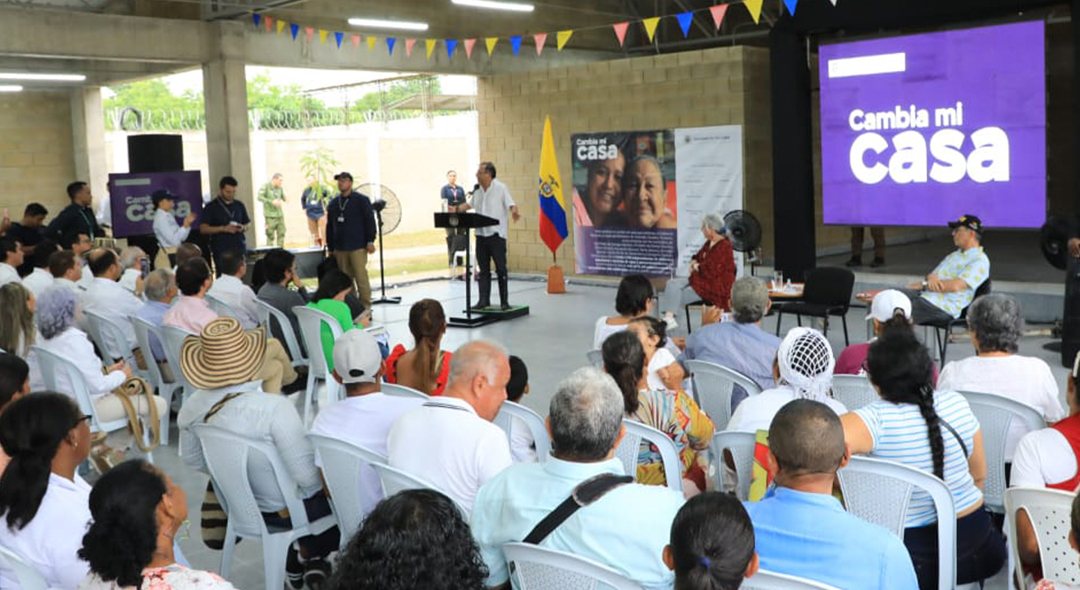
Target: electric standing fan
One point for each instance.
(744, 231)
(388, 217)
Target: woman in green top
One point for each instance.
(329, 298)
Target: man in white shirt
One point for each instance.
(66, 270)
(450, 441)
(492, 198)
(230, 288)
(107, 298)
(169, 233)
(40, 278)
(131, 263)
(365, 416)
(12, 252)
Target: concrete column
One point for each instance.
(88, 140)
(228, 143)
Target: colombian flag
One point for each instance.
(552, 206)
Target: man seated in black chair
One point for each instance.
(951, 287)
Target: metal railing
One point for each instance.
(131, 119)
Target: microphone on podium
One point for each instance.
(475, 188)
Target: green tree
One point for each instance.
(320, 163)
(394, 92)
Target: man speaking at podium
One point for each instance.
(490, 197)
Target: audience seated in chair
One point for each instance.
(1074, 542)
(280, 268)
(66, 270)
(365, 416)
(951, 287)
(108, 299)
(17, 331)
(712, 273)
(230, 288)
(228, 396)
(801, 528)
(14, 383)
(43, 501)
(653, 336)
(1048, 458)
(671, 412)
(137, 511)
(131, 261)
(40, 278)
(184, 252)
(522, 445)
(426, 367)
(951, 448)
(740, 345)
(160, 292)
(11, 257)
(451, 442)
(329, 298)
(626, 529)
(803, 370)
(635, 298)
(712, 544)
(431, 545)
(889, 309)
(996, 324)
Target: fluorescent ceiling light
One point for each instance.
(10, 88)
(43, 77)
(495, 5)
(374, 23)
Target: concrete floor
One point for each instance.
(552, 340)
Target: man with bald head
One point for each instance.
(450, 441)
(801, 529)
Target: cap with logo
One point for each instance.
(969, 221)
(357, 358)
(886, 303)
(341, 175)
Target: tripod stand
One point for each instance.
(378, 206)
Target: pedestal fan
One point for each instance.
(388, 217)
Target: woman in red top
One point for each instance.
(712, 273)
(426, 367)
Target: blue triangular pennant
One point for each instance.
(338, 37)
(685, 20)
(256, 18)
(451, 45)
(390, 44)
(295, 29)
(791, 6)
(515, 43)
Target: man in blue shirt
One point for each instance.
(801, 529)
(224, 219)
(453, 196)
(625, 529)
(351, 233)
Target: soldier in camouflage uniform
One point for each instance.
(272, 196)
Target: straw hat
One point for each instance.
(223, 355)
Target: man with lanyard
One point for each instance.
(493, 200)
(351, 233)
(76, 218)
(272, 196)
(224, 220)
(453, 196)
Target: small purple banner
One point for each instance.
(921, 129)
(133, 208)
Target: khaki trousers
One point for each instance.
(354, 264)
(277, 369)
(109, 408)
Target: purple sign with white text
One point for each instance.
(921, 129)
(132, 206)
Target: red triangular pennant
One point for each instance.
(718, 13)
(355, 40)
(408, 47)
(469, 44)
(620, 32)
(540, 38)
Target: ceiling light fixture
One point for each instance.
(374, 23)
(10, 88)
(496, 5)
(43, 77)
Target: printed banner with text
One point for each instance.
(133, 208)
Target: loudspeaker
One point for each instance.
(1070, 327)
(155, 153)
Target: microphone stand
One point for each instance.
(378, 206)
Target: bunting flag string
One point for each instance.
(322, 36)
(338, 38)
(429, 44)
(408, 47)
(620, 32)
(685, 20)
(718, 13)
(257, 18)
(355, 41)
(280, 26)
(371, 40)
(390, 41)
(562, 38)
(451, 45)
(268, 21)
(540, 39)
(791, 6)
(469, 44)
(515, 44)
(490, 42)
(310, 32)
(754, 6)
(650, 26)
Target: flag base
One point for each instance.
(555, 281)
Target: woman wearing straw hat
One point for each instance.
(223, 363)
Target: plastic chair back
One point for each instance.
(143, 330)
(342, 466)
(1049, 512)
(713, 387)
(395, 480)
(53, 365)
(540, 568)
(764, 580)
(221, 307)
(27, 576)
(595, 358)
(879, 491)
(397, 390)
(629, 452)
(996, 415)
(311, 321)
(267, 314)
(829, 285)
(741, 447)
(172, 340)
(854, 391)
(111, 338)
(533, 421)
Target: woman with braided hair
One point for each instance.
(427, 366)
(937, 433)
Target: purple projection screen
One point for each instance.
(921, 129)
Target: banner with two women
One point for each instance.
(639, 196)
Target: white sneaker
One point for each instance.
(669, 319)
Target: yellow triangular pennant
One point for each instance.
(322, 36)
(371, 42)
(490, 42)
(754, 6)
(429, 44)
(562, 37)
(650, 26)
(280, 26)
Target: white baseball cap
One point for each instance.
(886, 303)
(357, 358)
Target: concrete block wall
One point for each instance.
(721, 86)
(36, 157)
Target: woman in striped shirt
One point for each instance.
(935, 432)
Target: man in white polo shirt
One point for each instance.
(492, 198)
(366, 414)
(450, 441)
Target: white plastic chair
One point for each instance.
(1049, 512)
(143, 330)
(533, 421)
(172, 340)
(764, 580)
(227, 456)
(342, 466)
(221, 307)
(112, 340)
(741, 447)
(292, 342)
(539, 568)
(52, 365)
(595, 358)
(27, 576)
(402, 391)
(395, 480)
(713, 388)
(879, 491)
(996, 415)
(854, 391)
(311, 321)
(629, 450)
